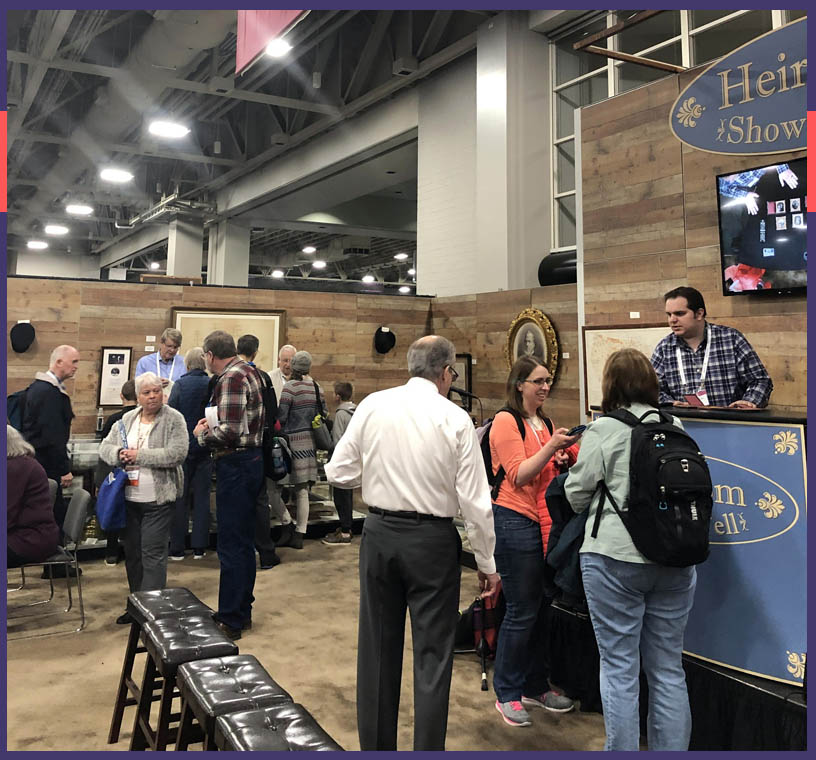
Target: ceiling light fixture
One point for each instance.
(112, 174)
(167, 129)
(309, 249)
(55, 229)
(405, 289)
(277, 273)
(369, 278)
(400, 256)
(412, 271)
(37, 245)
(278, 48)
(319, 264)
(154, 264)
(78, 209)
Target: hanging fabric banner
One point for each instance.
(256, 29)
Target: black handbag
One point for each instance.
(320, 429)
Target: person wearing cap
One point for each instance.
(47, 420)
(300, 401)
(417, 457)
(234, 432)
(166, 362)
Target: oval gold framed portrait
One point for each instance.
(531, 333)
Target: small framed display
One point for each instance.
(114, 371)
(464, 367)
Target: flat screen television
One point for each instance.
(763, 229)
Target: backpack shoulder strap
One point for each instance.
(661, 416)
(625, 416)
(548, 422)
(518, 418)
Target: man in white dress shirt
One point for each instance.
(283, 372)
(417, 458)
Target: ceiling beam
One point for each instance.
(188, 85)
(363, 69)
(86, 39)
(433, 34)
(614, 29)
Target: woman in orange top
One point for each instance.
(521, 672)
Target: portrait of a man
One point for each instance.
(530, 342)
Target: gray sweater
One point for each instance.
(168, 442)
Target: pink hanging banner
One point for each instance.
(256, 29)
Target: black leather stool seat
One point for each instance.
(222, 685)
(173, 641)
(145, 606)
(280, 728)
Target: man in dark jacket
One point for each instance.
(189, 396)
(47, 421)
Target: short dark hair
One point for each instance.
(628, 377)
(220, 343)
(693, 296)
(248, 345)
(519, 372)
(129, 390)
(344, 390)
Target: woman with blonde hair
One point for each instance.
(638, 609)
(157, 444)
(521, 522)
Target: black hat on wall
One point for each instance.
(22, 336)
(384, 340)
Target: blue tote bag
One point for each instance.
(110, 499)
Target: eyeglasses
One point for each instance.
(454, 374)
(539, 382)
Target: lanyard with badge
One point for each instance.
(700, 398)
(133, 470)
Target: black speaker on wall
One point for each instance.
(558, 269)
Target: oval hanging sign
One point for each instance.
(752, 101)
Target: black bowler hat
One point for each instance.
(22, 336)
(384, 340)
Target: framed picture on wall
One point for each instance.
(531, 334)
(268, 326)
(464, 368)
(115, 370)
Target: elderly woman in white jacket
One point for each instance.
(157, 443)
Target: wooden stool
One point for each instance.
(171, 642)
(210, 688)
(143, 607)
(282, 728)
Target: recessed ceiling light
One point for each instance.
(405, 289)
(277, 273)
(319, 264)
(115, 175)
(154, 264)
(278, 48)
(78, 209)
(55, 229)
(412, 271)
(400, 256)
(167, 129)
(37, 245)
(369, 278)
(309, 249)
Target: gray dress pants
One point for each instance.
(146, 539)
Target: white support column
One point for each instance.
(184, 248)
(228, 258)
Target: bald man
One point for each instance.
(283, 372)
(47, 420)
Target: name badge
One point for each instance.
(703, 396)
(132, 476)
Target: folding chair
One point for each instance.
(52, 492)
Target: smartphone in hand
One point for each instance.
(577, 430)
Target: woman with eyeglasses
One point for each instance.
(530, 462)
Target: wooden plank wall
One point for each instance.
(336, 328)
(650, 224)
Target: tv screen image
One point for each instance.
(763, 228)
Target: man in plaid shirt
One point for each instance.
(236, 447)
(728, 371)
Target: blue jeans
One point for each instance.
(197, 479)
(238, 480)
(521, 655)
(639, 614)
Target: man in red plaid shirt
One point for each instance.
(233, 430)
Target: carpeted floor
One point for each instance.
(61, 687)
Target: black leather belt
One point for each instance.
(218, 453)
(406, 515)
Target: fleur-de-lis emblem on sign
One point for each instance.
(689, 112)
(796, 663)
(771, 505)
(787, 442)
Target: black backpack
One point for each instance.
(483, 434)
(15, 409)
(670, 492)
